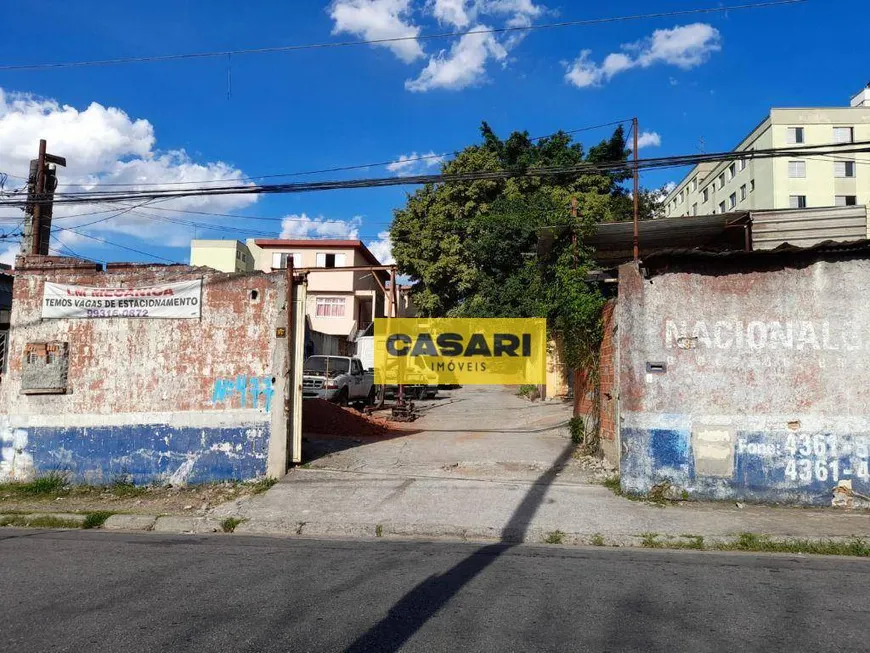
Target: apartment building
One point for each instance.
(223, 255)
(785, 182)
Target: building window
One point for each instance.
(845, 200)
(721, 207)
(330, 307)
(694, 209)
(743, 192)
(844, 169)
(722, 180)
(693, 185)
(751, 185)
(794, 135)
(797, 201)
(680, 198)
(797, 169)
(279, 259)
(732, 200)
(705, 195)
(741, 165)
(732, 170)
(330, 260)
(844, 135)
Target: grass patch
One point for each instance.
(122, 487)
(527, 390)
(53, 483)
(651, 541)
(258, 487)
(379, 531)
(755, 543)
(229, 524)
(554, 537)
(612, 484)
(48, 521)
(854, 546)
(96, 519)
(597, 540)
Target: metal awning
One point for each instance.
(613, 242)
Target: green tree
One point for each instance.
(470, 246)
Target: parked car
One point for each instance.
(341, 379)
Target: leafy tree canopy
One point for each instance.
(470, 246)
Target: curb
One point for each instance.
(431, 532)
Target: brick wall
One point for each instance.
(147, 399)
(584, 392)
(607, 376)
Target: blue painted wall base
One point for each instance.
(778, 467)
(152, 453)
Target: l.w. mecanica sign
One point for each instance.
(170, 300)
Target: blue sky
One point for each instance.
(710, 76)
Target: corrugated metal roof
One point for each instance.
(613, 242)
(807, 227)
(784, 255)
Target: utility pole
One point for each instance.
(636, 190)
(41, 185)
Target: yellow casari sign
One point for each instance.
(431, 351)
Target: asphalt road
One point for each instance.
(87, 591)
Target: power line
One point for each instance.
(361, 166)
(119, 245)
(579, 169)
(397, 39)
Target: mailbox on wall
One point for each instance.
(44, 368)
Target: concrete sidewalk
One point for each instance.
(351, 504)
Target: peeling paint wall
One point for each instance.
(149, 400)
(747, 383)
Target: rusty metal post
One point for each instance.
(636, 189)
(36, 227)
(291, 350)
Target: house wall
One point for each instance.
(760, 381)
(151, 400)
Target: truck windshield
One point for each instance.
(323, 363)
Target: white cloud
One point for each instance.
(463, 66)
(648, 139)
(668, 187)
(382, 248)
(452, 12)
(103, 145)
(378, 19)
(8, 254)
(464, 63)
(413, 164)
(301, 226)
(685, 47)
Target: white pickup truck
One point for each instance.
(341, 379)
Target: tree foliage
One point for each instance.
(470, 247)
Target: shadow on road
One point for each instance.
(419, 605)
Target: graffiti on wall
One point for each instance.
(244, 392)
(16, 462)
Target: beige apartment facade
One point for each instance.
(791, 182)
(223, 255)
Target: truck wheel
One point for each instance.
(341, 399)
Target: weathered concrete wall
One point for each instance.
(176, 400)
(746, 382)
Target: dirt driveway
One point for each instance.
(475, 432)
